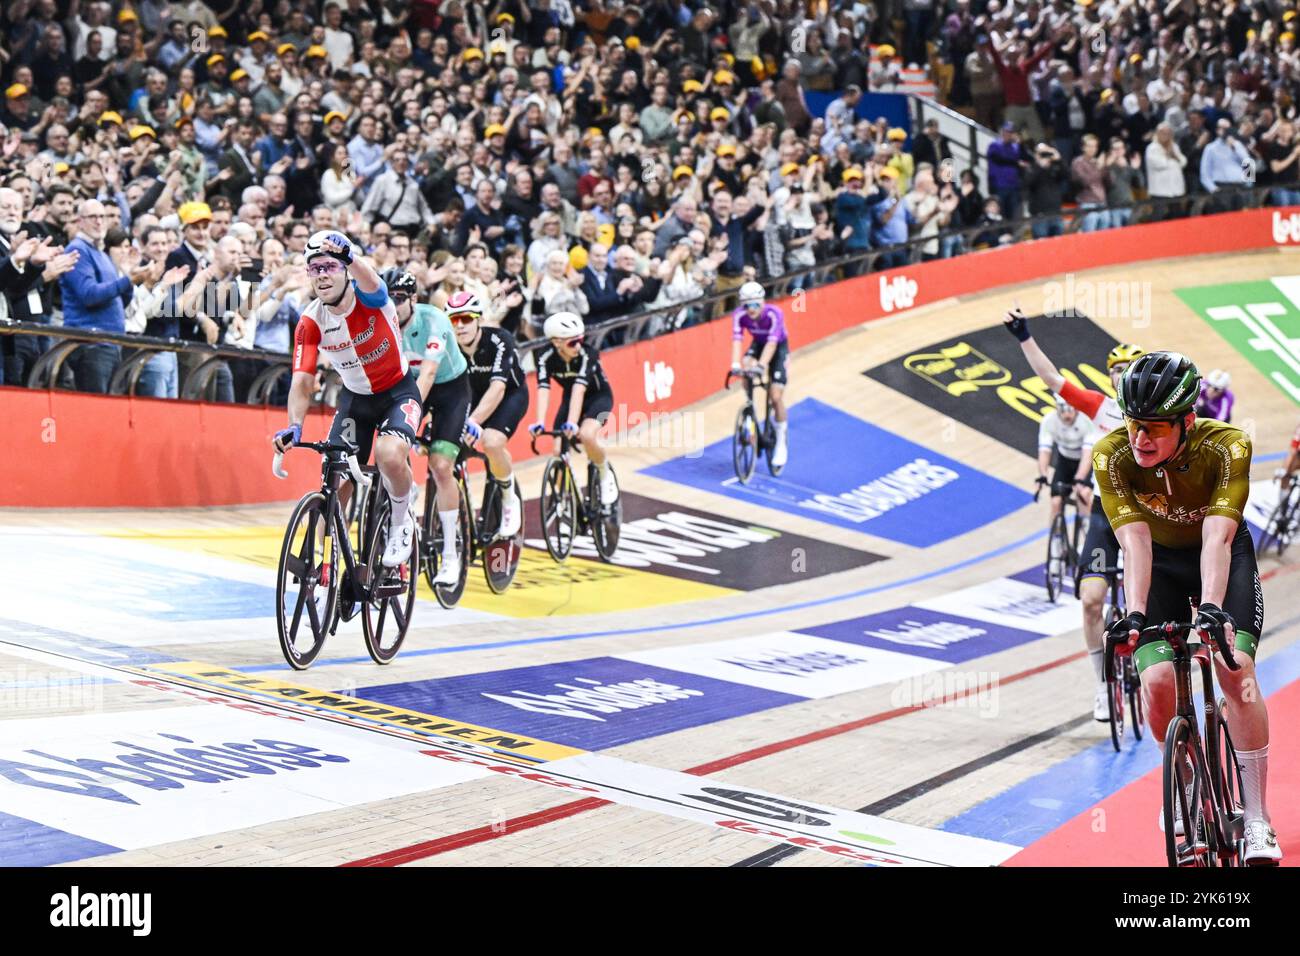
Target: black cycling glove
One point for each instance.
(1017, 325)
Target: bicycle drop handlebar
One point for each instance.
(324, 448)
(1176, 635)
(753, 374)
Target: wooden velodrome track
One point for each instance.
(867, 748)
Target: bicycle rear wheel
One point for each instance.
(430, 532)
(303, 612)
(769, 445)
(1184, 801)
(559, 509)
(449, 595)
(1057, 545)
(607, 520)
(744, 444)
(389, 592)
(500, 555)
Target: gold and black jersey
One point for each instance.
(1210, 477)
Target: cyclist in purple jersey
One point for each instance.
(767, 350)
(1216, 398)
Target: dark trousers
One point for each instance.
(93, 366)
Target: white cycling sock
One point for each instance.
(1098, 658)
(449, 529)
(1254, 780)
(781, 427)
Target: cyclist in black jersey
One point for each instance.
(498, 396)
(586, 398)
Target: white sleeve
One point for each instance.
(1047, 430)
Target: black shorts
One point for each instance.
(1100, 546)
(597, 405)
(506, 417)
(776, 369)
(394, 412)
(1066, 469)
(1176, 577)
(448, 406)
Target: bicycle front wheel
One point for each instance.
(1057, 545)
(306, 582)
(389, 592)
(1227, 792)
(1184, 801)
(501, 555)
(449, 595)
(1133, 683)
(559, 509)
(744, 444)
(1115, 700)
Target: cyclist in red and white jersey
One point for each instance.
(353, 319)
(1100, 548)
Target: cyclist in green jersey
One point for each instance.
(440, 367)
(1173, 488)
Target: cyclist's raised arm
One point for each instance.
(367, 279)
(1018, 326)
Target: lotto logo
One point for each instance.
(1286, 229)
(898, 293)
(658, 381)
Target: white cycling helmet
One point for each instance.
(752, 292)
(1218, 379)
(315, 246)
(563, 325)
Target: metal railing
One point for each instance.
(199, 381)
(967, 140)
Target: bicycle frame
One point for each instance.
(750, 381)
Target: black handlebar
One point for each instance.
(1062, 488)
(1176, 635)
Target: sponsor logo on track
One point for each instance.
(587, 699)
(978, 379)
(926, 633)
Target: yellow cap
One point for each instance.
(215, 58)
(257, 35)
(1288, 35)
(192, 212)
(182, 120)
(16, 91)
(814, 158)
(789, 168)
(896, 133)
(138, 131)
(851, 173)
(316, 50)
(333, 115)
(1250, 35)
(578, 257)
(758, 68)
(632, 43)
(888, 172)
(730, 58)
(494, 129)
(110, 116)
(218, 31)
(239, 74)
(505, 16)
(681, 171)
(472, 53)
(724, 76)
(1137, 57)
(125, 16)
(284, 48)
(605, 234)
(692, 86)
(60, 168)
(1106, 94)
(726, 149)
(1288, 15)
(719, 112)
(499, 48)
(884, 51)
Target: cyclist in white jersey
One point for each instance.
(1065, 430)
(353, 319)
(1100, 557)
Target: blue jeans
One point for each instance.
(950, 246)
(1048, 227)
(891, 260)
(1009, 200)
(1286, 197)
(1093, 221)
(1120, 217)
(158, 378)
(93, 366)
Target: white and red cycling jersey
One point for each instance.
(365, 348)
(1098, 406)
(1295, 439)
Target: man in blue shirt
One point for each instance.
(366, 153)
(95, 295)
(853, 212)
(1226, 162)
(891, 222)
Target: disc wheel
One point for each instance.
(607, 519)
(744, 444)
(305, 592)
(559, 509)
(501, 555)
(390, 592)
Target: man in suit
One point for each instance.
(26, 272)
(237, 171)
(602, 289)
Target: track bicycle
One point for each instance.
(1062, 539)
(749, 440)
(566, 512)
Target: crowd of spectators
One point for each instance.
(163, 163)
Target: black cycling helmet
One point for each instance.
(399, 280)
(1159, 385)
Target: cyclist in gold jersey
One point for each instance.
(1174, 488)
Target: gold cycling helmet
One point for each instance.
(1123, 354)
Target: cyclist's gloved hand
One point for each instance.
(344, 252)
(569, 429)
(473, 431)
(1017, 325)
(536, 428)
(736, 370)
(1125, 627)
(1211, 616)
(288, 436)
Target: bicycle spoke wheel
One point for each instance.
(305, 591)
(1115, 701)
(607, 520)
(1134, 685)
(390, 592)
(430, 533)
(769, 445)
(744, 444)
(501, 556)
(559, 509)
(1184, 801)
(1056, 560)
(1228, 792)
(449, 595)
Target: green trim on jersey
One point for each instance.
(427, 323)
(1210, 477)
